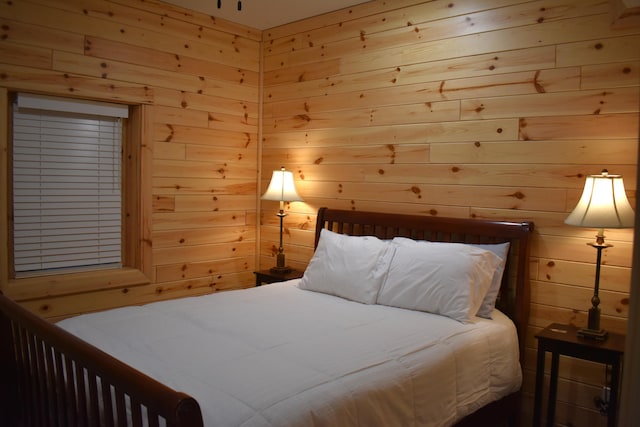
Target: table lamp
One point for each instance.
(282, 189)
(603, 205)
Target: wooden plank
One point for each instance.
(221, 121)
(611, 75)
(352, 155)
(427, 112)
(202, 253)
(168, 186)
(214, 104)
(201, 236)
(176, 133)
(456, 131)
(564, 152)
(561, 126)
(164, 204)
(74, 283)
(612, 278)
(599, 51)
(623, 100)
(576, 248)
(213, 269)
(178, 116)
(224, 155)
(169, 150)
(193, 220)
(28, 56)
(203, 169)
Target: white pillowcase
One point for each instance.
(351, 267)
(489, 301)
(450, 279)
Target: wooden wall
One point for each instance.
(490, 109)
(486, 108)
(198, 82)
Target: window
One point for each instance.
(67, 185)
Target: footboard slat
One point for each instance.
(52, 378)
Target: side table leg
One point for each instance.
(537, 405)
(553, 389)
(613, 395)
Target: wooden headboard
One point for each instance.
(514, 296)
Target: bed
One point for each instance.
(294, 353)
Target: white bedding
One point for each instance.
(281, 356)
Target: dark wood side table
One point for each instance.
(268, 276)
(562, 339)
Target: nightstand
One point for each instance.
(559, 339)
(268, 276)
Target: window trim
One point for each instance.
(136, 252)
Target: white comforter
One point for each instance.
(281, 356)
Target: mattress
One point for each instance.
(281, 356)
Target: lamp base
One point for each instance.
(281, 270)
(598, 335)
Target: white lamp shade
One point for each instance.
(603, 204)
(282, 187)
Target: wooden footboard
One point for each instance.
(51, 378)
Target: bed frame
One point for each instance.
(513, 298)
(52, 378)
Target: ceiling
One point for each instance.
(264, 14)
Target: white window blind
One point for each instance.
(67, 201)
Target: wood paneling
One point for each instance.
(492, 109)
(199, 81)
(489, 109)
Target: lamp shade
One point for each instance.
(603, 204)
(282, 187)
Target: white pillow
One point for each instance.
(351, 267)
(450, 279)
(489, 301)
